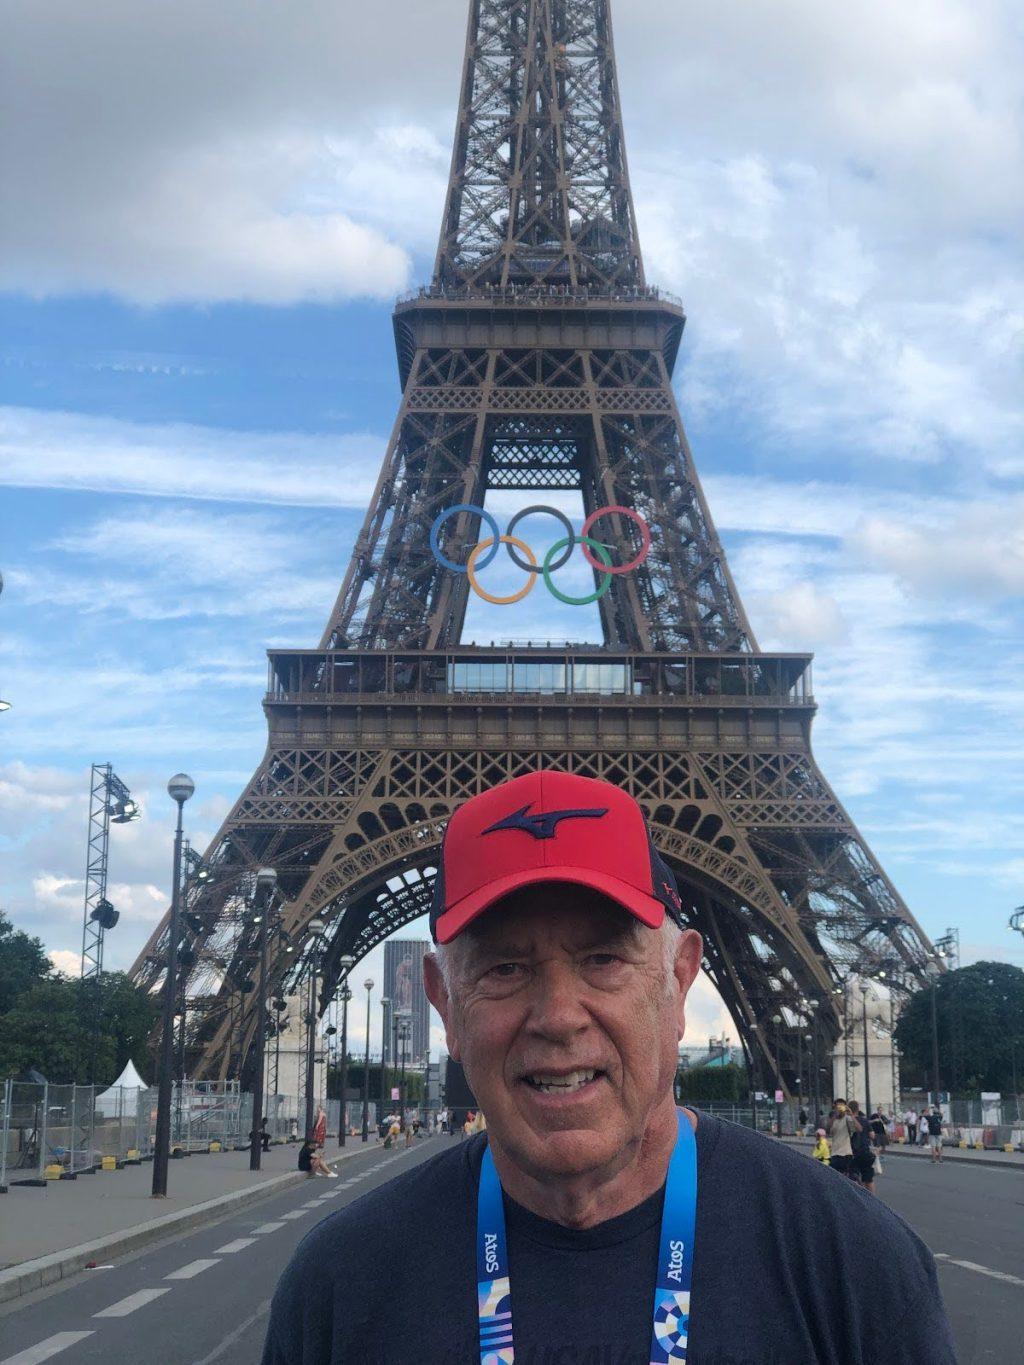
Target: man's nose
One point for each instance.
(557, 1011)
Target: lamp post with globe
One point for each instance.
(368, 985)
(266, 885)
(180, 788)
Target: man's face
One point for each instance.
(567, 1019)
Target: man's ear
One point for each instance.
(689, 952)
(437, 994)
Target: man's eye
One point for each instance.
(603, 959)
(506, 970)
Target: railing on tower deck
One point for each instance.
(746, 680)
(553, 295)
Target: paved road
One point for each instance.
(202, 1298)
(973, 1221)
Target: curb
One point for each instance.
(61, 1265)
(992, 1162)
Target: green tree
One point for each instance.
(980, 1016)
(726, 1084)
(23, 963)
(50, 1029)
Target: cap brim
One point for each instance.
(645, 907)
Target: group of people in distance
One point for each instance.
(853, 1145)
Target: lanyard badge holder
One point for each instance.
(671, 1325)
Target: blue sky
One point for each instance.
(208, 214)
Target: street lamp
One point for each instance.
(180, 788)
(865, 990)
(368, 986)
(266, 885)
(814, 1006)
(933, 973)
(404, 1030)
(777, 1020)
(385, 1005)
(345, 965)
(315, 927)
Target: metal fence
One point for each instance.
(993, 1124)
(50, 1132)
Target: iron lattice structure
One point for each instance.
(539, 358)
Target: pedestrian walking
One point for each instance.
(879, 1130)
(863, 1153)
(935, 1126)
(839, 1130)
(910, 1123)
(320, 1128)
(801, 1119)
(561, 974)
(922, 1126)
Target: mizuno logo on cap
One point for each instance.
(542, 826)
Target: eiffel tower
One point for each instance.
(539, 358)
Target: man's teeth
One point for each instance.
(562, 1084)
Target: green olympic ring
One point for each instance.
(600, 550)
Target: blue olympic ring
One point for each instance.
(596, 554)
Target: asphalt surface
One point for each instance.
(202, 1298)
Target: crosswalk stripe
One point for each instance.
(194, 1268)
(122, 1308)
(44, 1350)
(268, 1227)
(239, 1244)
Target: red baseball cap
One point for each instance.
(550, 827)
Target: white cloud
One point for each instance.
(64, 960)
(44, 449)
(981, 550)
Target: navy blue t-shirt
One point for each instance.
(793, 1263)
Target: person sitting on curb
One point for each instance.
(312, 1162)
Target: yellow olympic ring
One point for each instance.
(531, 582)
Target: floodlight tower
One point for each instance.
(110, 803)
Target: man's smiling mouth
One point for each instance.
(568, 1084)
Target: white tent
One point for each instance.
(123, 1096)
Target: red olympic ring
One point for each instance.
(637, 519)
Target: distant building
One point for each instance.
(715, 1052)
(403, 986)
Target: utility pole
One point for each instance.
(180, 788)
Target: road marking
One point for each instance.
(239, 1244)
(232, 1337)
(131, 1303)
(978, 1270)
(295, 1213)
(194, 1268)
(268, 1227)
(45, 1349)
(311, 1203)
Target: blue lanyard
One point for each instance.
(675, 1261)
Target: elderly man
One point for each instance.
(594, 1221)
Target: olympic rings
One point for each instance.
(597, 555)
(570, 543)
(606, 569)
(517, 597)
(435, 536)
(628, 512)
